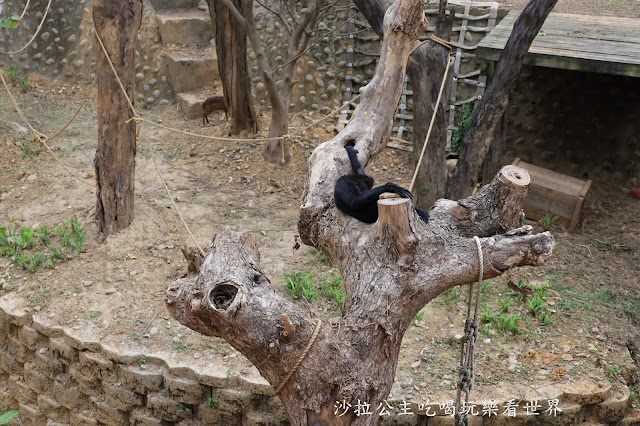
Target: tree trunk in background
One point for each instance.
(231, 47)
(489, 111)
(495, 156)
(426, 79)
(425, 70)
(117, 23)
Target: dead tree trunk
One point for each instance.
(425, 70)
(299, 25)
(390, 271)
(231, 47)
(488, 113)
(117, 22)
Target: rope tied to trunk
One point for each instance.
(466, 373)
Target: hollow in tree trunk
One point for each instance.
(117, 22)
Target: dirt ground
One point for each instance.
(114, 290)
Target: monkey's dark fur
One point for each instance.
(355, 195)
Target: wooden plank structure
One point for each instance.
(602, 44)
(555, 193)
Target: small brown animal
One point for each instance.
(214, 103)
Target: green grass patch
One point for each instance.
(300, 284)
(35, 249)
(332, 288)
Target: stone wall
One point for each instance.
(65, 46)
(577, 123)
(55, 379)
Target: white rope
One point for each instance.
(467, 346)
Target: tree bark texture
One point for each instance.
(117, 22)
(495, 156)
(425, 70)
(487, 114)
(390, 270)
(231, 47)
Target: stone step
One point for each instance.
(192, 68)
(191, 102)
(186, 27)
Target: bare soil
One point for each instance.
(114, 290)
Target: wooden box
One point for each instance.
(555, 193)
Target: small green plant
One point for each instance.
(509, 322)
(450, 297)
(185, 409)
(30, 263)
(58, 253)
(78, 236)
(500, 322)
(7, 417)
(179, 346)
(465, 119)
(505, 304)
(29, 151)
(73, 235)
(12, 71)
(322, 256)
(548, 220)
(299, 284)
(143, 360)
(212, 402)
(24, 84)
(419, 316)
(487, 315)
(611, 373)
(27, 246)
(95, 315)
(43, 235)
(229, 371)
(64, 234)
(332, 287)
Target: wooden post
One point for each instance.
(117, 23)
(393, 218)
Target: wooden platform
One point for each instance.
(600, 44)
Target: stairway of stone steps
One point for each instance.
(186, 32)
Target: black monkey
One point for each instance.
(355, 195)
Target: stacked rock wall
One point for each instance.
(65, 46)
(54, 379)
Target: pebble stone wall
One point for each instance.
(65, 46)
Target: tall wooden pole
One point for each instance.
(117, 22)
